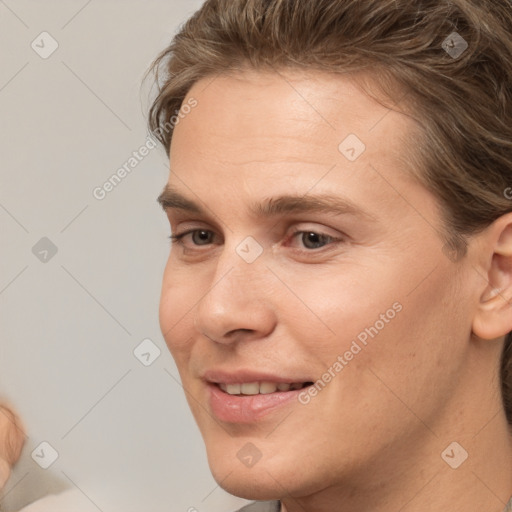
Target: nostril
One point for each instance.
(236, 332)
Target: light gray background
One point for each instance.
(69, 325)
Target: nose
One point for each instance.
(238, 304)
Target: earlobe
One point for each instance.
(493, 323)
(493, 317)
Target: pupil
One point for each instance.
(312, 240)
(201, 237)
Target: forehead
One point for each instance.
(301, 117)
(256, 134)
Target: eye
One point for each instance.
(313, 240)
(198, 237)
(201, 237)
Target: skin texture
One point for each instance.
(12, 438)
(373, 437)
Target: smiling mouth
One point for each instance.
(260, 388)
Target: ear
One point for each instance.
(493, 317)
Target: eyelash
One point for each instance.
(178, 238)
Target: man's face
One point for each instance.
(269, 291)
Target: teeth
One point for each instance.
(267, 387)
(255, 388)
(250, 388)
(233, 389)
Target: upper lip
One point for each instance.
(242, 376)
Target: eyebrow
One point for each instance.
(171, 199)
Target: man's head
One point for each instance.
(339, 194)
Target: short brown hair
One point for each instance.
(460, 96)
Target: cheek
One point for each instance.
(416, 357)
(380, 318)
(177, 301)
(330, 309)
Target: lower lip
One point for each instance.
(247, 409)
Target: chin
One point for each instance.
(269, 478)
(248, 483)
